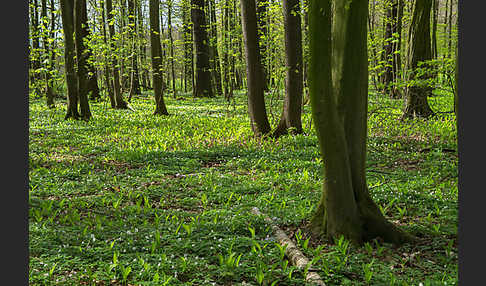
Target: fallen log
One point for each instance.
(296, 257)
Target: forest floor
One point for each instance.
(129, 198)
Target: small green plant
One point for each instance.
(368, 272)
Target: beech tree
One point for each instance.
(81, 58)
(119, 101)
(419, 52)
(47, 55)
(254, 72)
(338, 87)
(67, 8)
(292, 108)
(202, 82)
(155, 46)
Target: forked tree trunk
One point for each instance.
(419, 51)
(202, 84)
(120, 102)
(81, 57)
(160, 108)
(292, 108)
(67, 9)
(254, 73)
(338, 93)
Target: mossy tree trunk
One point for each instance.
(254, 72)
(160, 108)
(419, 52)
(292, 108)
(391, 48)
(338, 87)
(202, 85)
(107, 73)
(67, 9)
(82, 58)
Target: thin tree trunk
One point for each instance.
(214, 47)
(36, 64)
(107, 72)
(254, 73)
(262, 7)
(134, 76)
(292, 108)
(120, 102)
(160, 108)
(47, 55)
(171, 47)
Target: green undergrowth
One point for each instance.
(129, 198)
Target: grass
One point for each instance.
(129, 198)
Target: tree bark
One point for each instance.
(47, 55)
(160, 108)
(134, 74)
(254, 73)
(67, 13)
(36, 64)
(120, 102)
(81, 57)
(171, 47)
(292, 108)
(107, 72)
(338, 87)
(214, 47)
(262, 7)
(202, 85)
(419, 51)
(91, 73)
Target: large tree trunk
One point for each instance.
(47, 55)
(202, 83)
(81, 57)
(160, 108)
(419, 51)
(67, 9)
(339, 107)
(120, 102)
(254, 73)
(292, 108)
